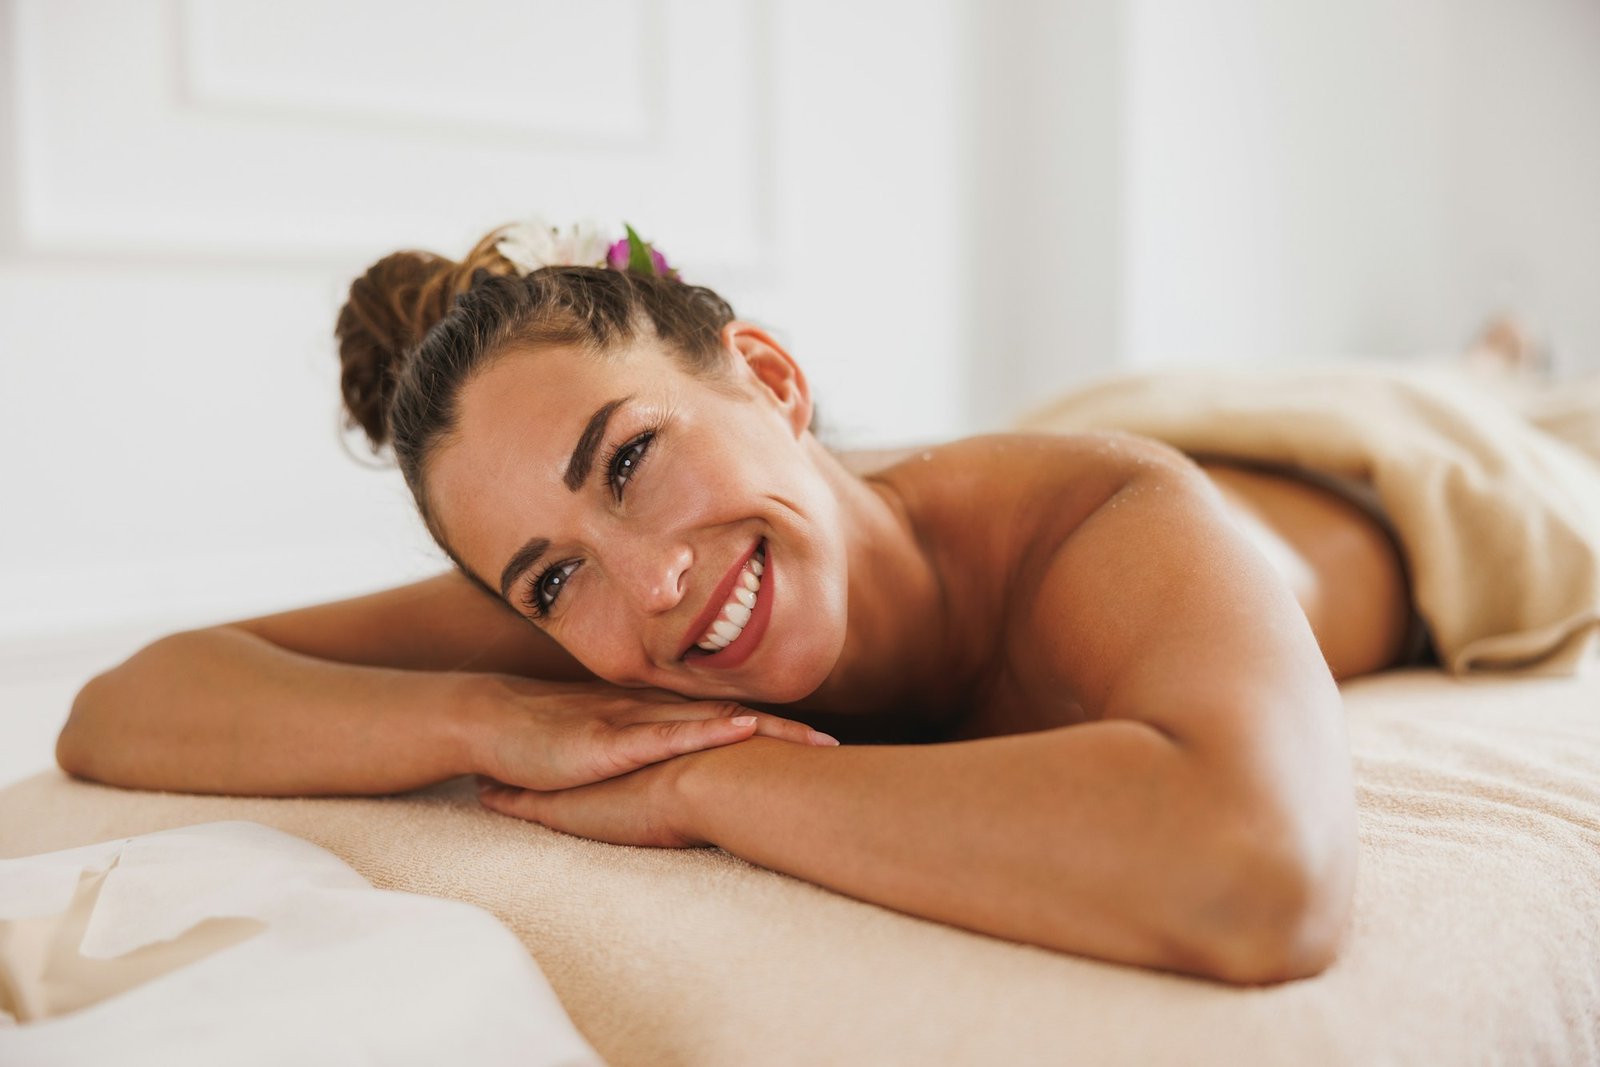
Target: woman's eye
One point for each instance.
(625, 461)
(548, 586)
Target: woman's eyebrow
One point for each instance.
(577, 473)
(521, 560)
(588, 443)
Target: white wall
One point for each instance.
(1366, 177)
(1261, 182)
(1049, 175)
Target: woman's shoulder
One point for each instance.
(997, 513)
(1104, 449)
(1061, 474)
(997, 507)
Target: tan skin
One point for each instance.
(1117, 665)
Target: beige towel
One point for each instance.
(1497, 515)
(1475, 937)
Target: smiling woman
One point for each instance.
(631, 562)
(662, 581)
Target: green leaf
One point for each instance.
(639, 260)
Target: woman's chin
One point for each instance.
(773, 690)
(788, 692)
(796, 677)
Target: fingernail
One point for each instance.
(820, 738)
(744, 720)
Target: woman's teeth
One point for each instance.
(736, 613)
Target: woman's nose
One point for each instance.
(659, 577)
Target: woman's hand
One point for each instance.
(549, 736)
(638, 808)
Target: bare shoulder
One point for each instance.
(1038, 487)
(1122, 588)
(996, 513)
(1157, 607)
(1082, 461)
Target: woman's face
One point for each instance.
(623, 504)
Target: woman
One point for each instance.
(663, 581)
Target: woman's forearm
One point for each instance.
(1103, 839)
(223, 711)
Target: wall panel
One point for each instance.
(232, 130)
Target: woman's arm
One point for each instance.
(372, 694)
(376, 694)
(1204, 822)
(1102, 839)
(221, 710)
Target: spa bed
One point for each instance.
(1475, 936)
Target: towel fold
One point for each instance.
(1495, 502)
(234, 942)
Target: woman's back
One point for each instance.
(1004, 497)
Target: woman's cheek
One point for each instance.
(684, 495)
(600, 644)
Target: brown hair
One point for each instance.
(417, 326)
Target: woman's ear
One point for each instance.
(772, 372)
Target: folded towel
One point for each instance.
(234, 942)
(1496, 505)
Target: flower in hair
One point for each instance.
(535, 243)
(638, 255)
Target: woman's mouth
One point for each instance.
(742, 618)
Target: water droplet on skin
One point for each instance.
(927, 456)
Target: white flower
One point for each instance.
(535, 243)
(587, 245)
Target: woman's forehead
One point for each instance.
(519, 424)
(527, 404)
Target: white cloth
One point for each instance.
(232, 942)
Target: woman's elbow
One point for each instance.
(76, 744)
(93, 742)
(1296, 924)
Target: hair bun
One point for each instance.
(390, 308)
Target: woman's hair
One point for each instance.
(416, 326)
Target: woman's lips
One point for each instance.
(741, 648)
(719, 597)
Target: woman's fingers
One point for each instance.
(789, 730)
(766, 725)
(648, 742)
(641, 743)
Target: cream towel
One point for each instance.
(234, 942)
(1498, 517)
(1475, 937)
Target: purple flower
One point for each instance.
(617, 256)
(620, 256)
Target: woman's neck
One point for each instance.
(899, 634)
